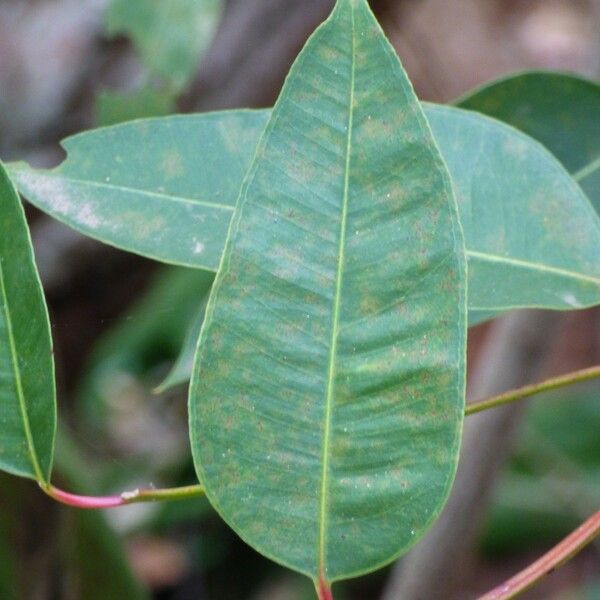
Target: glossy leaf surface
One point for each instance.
(326, 402)
(27, 394)
(561, 111)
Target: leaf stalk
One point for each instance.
(152, 495)
(136, 496)
(324, 590)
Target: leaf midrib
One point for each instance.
(587, 170)
(497, 258)
(18, 382)
(336, 318)
(132, 190)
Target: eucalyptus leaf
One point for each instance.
(535, 243)
(327, 399)
(156, 203)
(518, 205)
(501, 193)
(560, 110)
(27, 391)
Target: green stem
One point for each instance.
(126, 498)
(567, 549)
(532, 390)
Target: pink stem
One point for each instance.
(560, 554)
(124, 499)
(324, 590)
(87, 502)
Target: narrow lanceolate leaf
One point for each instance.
(561, 111)
(519, 207)
(326, 402)
(172, 202)
(27, 395)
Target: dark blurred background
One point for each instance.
(118, 321)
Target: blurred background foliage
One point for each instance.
(120, 322)
(169, 38)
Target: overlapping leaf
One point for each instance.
(561, 111)
(327, 401)
(173, 201)
(27, 394)
(534, 244)
(518, 206)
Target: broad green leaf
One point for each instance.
(155, 202)
(27, 392)
(327, 399)
(518, 206)
(170, 35)
(535, 243)
(561, 111)
(115, 107)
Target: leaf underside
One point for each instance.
(328, 395)
(27, 395)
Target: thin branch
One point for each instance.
(124, 499)
(531, 390)
(560, 554)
